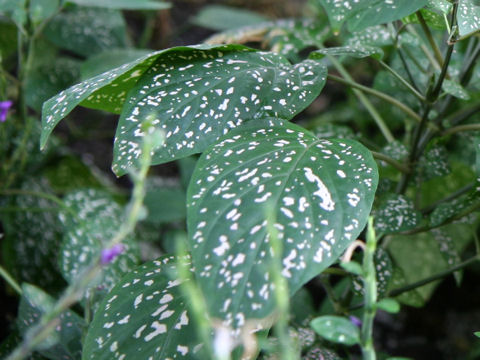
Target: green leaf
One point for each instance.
(322, 191)
(40, 10)
(434, 163)
(144, 317)
(442, 5)
(107, 60)
(46, 80)
(389, 305)
(352, 267)
(97, 220)
(220, 17)
(477, 334)
(329, 130)
(15, 10)
(365, 13)
(197, 96)
(108, 91)
(322, 353)
(165, 201)
(412, 297)
(455, 89)
(384, 273)
(452, 209)
(124, 4)
(396, 213)
(87, 31)
(32, 236)
(468, 17)
(63, 343)
(336, 329)
(432, 19)
(450, 253)
(353, 51)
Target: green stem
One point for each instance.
(10, 280)
(449, 198)
(46, 196)
(438, 276)
(75, 291)
(282, 305)
(425, 50)
(396, 164)
(403, 81)
(461, 128)
(348, 80)
(370, 297)
(431, 40)
(380, 95)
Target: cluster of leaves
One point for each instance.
(263, 204)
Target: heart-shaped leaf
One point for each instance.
(322, 191)
(198, 96)
(144, 317)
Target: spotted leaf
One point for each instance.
(468, 17)
(96, 222)
(336, 329)
(144, 317)
(396, 213)
(323, 190)
(353, 51)
(196, 97)
(107, 91)
(361, 14)
(63, 343)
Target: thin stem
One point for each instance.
(10, 280)
(75, 291)
(425, 50)
(370, 297)
(396, 164)
(403, 81)
(467, 71)
(380, 95)
(443, 73)
(39, 194)
(451, 197)
(363, 99)
(461, 128)
(431, 40)
(438, 276)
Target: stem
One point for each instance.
(75, 291)
(380, 95)
(396, 164)
(46, 196)
(438, 276)
(282, 306)
(451, 197)
(427, 53)
(363, 99)
(10, 280)
(403, 81)
(431, 40)
(460, 128)
(370, 285)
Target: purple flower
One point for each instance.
(108, 255)
(355, 321)
(4, 107)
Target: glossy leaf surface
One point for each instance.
(336, 329)
(361, 14)
(322, 191)
(197, 96)
(144, 317)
